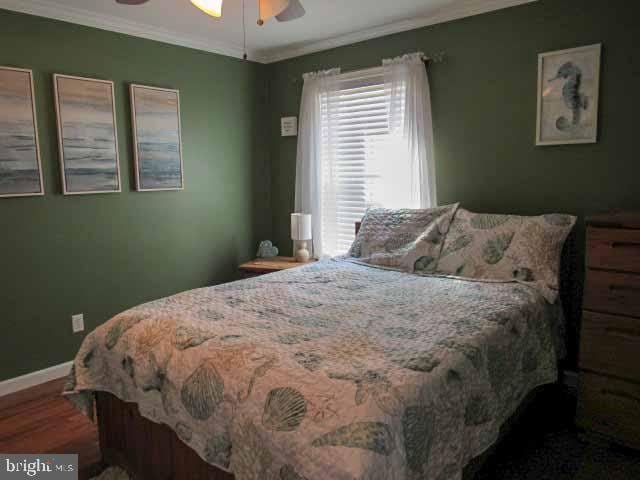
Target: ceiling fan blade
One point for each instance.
(294, 11)
(132, 2)
(271, 8)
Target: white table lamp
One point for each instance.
(301, 232)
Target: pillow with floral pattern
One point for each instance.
(507, 248)
(408, 240)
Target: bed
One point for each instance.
(334, 370)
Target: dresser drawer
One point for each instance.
(612, 292)
(610, 344)
(613, 249)
(610, 407)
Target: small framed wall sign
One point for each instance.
(568, 87)
(289, 126)
(157, 138)
(87, 136)
(20, 169)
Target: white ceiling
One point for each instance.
(328, 23)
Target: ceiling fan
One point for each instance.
(282, 10)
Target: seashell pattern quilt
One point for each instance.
(333, 370)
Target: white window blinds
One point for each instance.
(364, 159)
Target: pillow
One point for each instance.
(406, 240)
(507, 248)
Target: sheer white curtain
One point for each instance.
(365, 139)
(410, 120)
(317, 90)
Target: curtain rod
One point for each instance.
(437, 58)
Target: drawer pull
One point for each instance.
(623, 332)
(615, 289)
(625, 395)
(624, 245)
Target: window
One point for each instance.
(365, 140)
(364, 159)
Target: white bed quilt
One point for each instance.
(330, 371)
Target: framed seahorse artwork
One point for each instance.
(568, 89)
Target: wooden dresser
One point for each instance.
(609, 401)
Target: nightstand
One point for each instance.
(262, 266)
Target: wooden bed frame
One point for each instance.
(147, 450)
(151, 451)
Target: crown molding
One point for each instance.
(57, 11)
(81, 16)
(446, 14)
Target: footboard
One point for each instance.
(147, 450)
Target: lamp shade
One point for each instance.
(210, 7)
(300, 226)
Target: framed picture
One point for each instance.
(87, 135)
(157, 138)
(20, 168)
(568, 86)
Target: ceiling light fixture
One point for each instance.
(210, 7)
(282, 10)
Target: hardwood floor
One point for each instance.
(39, 420)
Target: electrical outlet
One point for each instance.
(77, 322)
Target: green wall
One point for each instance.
(484, 110)
(100, 254)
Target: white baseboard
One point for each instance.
(34, 378)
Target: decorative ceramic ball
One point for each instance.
(267, 250)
